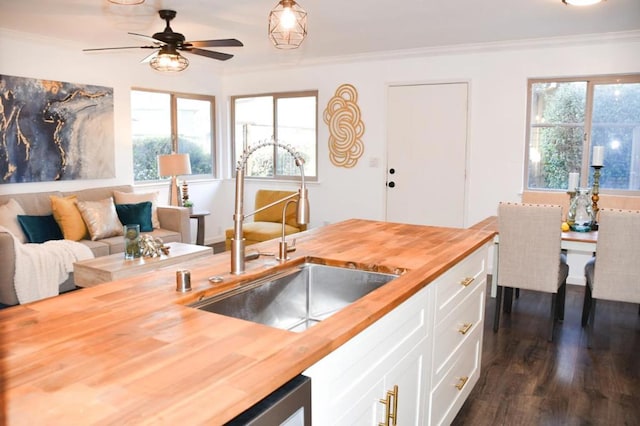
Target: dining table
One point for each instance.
(571, 240)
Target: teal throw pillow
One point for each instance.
(39, 229)
(139, 213)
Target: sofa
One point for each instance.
(267, 224)
(173, 226)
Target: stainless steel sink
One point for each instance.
(296, 298)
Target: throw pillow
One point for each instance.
(101, 218)
(134, 198)
(39, 229)
(9, 219)
(66, 213)
(140, 213)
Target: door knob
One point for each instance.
(392, 171)
(391, 184)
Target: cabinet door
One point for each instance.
(407, 374)
(366, 411)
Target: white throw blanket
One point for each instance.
(41, 268)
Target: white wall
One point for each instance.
(498, 79)
(497, 76)
(27, 56)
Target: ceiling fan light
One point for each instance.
(287, 25)
(127, 2)
(169, 62)
(581, 2)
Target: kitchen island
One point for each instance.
(131, 351)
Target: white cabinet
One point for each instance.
(405, 384)
(429, 347)
(457, 341)
(347, 384)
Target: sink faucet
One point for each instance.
(302, 211)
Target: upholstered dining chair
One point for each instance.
(614, 273)
(529, 256)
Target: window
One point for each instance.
(290, 118)
(162, 122)
(568, 117)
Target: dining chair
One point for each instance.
(614, 273)
(529, 256)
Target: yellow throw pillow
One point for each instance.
(135, 198)
(101, 218)
(66, 213)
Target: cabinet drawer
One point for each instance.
(456, 329)
(448, 396)
(460, 280)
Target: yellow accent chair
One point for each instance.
(267, 224)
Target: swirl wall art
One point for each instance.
(346, 128)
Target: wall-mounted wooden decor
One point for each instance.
(52, 130)
(346, 128)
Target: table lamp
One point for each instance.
(173, 165)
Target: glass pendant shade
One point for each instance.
(169, 60)
(287, 25)
(126, 2)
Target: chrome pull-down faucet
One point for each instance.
(302, 211)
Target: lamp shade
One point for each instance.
(169, 60)
(127, 2)
(287, 25)
(174, 164)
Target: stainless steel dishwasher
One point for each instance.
(289, 405)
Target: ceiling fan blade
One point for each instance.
(148, 38)
(119, 48)
(149, 57)
(209, 54)
(227, 42)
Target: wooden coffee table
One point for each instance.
(88, 273)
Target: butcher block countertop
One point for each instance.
(131, 352)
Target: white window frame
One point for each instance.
(275, 96)
(173, 108)
(585, 170)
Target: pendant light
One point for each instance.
(127, 2)
(287, 25)
(169, 60)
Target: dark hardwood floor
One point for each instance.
(527, 380)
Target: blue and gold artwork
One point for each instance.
(52, 130)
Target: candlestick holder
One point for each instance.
(595, 197)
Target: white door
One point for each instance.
(426, 154)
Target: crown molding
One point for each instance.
(456, 49)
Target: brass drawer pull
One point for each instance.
(462, 382)
(390, 414)
(467, 281)
(465, 328)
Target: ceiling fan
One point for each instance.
(168, 43)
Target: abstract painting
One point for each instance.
(52, 130)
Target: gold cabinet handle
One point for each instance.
(394, 415)
(467, 281)
(465, 328)
(461, 382)
(390, 412)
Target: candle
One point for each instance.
(598, 156)
(574, 179)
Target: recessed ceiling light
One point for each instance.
(581, 2)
